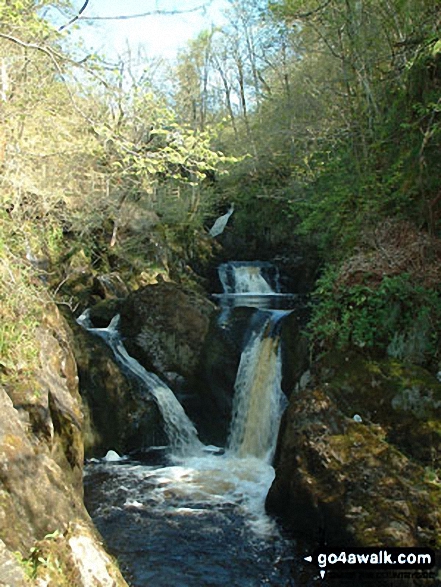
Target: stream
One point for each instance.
(189, 515)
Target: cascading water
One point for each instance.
(198, 519)
(244, 277)
(258, 400)
(251, 284)
(180, 430)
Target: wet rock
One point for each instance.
(164, 327)
(210, 405)
(340, 481)
(101, 314)
(212, 388)
(110, 286)
(295, 349)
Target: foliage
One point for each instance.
(339, 116)
(95, 154)
(50, 562)
(337, 106)
(326, 114)
(375, 155)
(398, 316)
(38, 560)
(97, 173)
(22, 304)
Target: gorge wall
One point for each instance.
(47, 537)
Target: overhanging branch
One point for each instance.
(54, 57)
(306, 15)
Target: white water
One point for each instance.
(220, 224)
(245, 278)
(250, 280)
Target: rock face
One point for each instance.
(210, 404)
(164, 327)
(41, 458)
(404, 399)
(363, 481)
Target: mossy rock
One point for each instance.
(340, 481)
(404, 399)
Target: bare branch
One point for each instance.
(144, 14)
(305, 15)
(54, 57)
(47, 50)
(82, 9)
(21, 43)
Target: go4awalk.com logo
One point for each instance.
(366, 560)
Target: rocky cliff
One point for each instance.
(46, 535)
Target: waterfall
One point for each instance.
(241, 277)
(180, 430)
(220, 224)
(259, 400)
(212, 498)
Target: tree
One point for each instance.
(194, 100)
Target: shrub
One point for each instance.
(397, 316)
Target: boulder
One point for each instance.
(164, 327)
(345, 471)
(404, 399)
(120, 414)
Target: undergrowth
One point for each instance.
(22, 302)
(398, 316)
